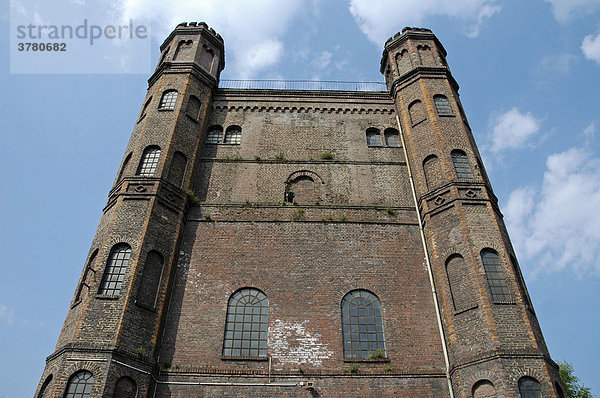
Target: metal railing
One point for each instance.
(318, 85)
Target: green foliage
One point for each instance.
(298, 215)
(327, 156)
(343, 218)
(574, 387)
(352, 368)
(257, 158)
(376, 354)
(389, 369)
(192, 197)
(207, 217)
(279, 156)
(390, 211)
(141, 352)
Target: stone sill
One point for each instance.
(258, 359)
(366, 360)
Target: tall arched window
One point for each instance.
(124, 167)
(193, 107)
(373, 137)
(484, 389)
(233, 135)
(80, 385)
(151, 276)
(460, 283)
(529, 388)
(45, 391)
(115, 270)
(417, 113)
(495, 276)
(442, 106)
(126, 387)
(247, 324)
(149, 161)
(168, 100)
(392, 138)
(433, 172)
(362, 326)
(177, 170)
(461, 165)
(215, 133)
(88, 276)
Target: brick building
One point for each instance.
(301, 243)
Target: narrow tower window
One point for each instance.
(124, 167)
(442, 106)
(529, 388)
(460, 283)
(168, 100)
(149, 161)
(151, 277)
(247, 324)
(373, 137)
(193, 107)
(233, 135)
(177, 170)
(461, 165)
(362, 326)
(126, 387)
(433, 173)
(115, 270)
(392, 138)
(80, 385)
(417, 112)
(495, 276)
(144, 109)
(214, 134)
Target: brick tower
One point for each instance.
(491, 330)
(285, 241)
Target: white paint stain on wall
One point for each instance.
(292, 343)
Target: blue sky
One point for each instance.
(529, 76)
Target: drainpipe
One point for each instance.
(427, 261)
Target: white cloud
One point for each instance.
(381, 19)
(557, 226)
(252, 30)
(512, 130)
(323, 59)
(560, 63)
(591, 47)
(564, 10)
(6, 315)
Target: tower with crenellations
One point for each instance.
(291, 241)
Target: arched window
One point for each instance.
(45, 391)
(115, 270)
(362, 326)
(373, 137)
(529, 388)
(495, 276)
(459, 282)
(416, 110)
(149, 161)
(193, 107)
(126, 387)
(144, 109)
(461, 165)
(177, 170)
(215, 133)
(233, 135)
(124, 167)
(247, 324)
(80, 385)
(484, 389)
(442, 106)
(433, 172)
(168, 100)
(151, 276)
(303, 187)
(392, 138)
(88, 275)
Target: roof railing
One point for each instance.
(314, 85)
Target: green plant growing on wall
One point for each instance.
(207, 217)
(192, 197)
(279, 156)
(376, 354)
(352, 368)
(298, 215)
(390, 211)
(141, 352)
(327, 156)
(388, 369)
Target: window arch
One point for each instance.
(392, 137)
(233, 135)
(373, 137)
(459, 282)
(461, 165)
(124, 167)
(215, 133)
(416, 110)
(529, 388)
(44, 390)
(80, 385)
(126, 387)
(168, 100)
(362, 326)
(151, 276)
(432, 171)
(149, 161)
(442, 106)
(495, 276)
(193, 107)
(88, 276)
(177, 169)
(247, 324)
(115, 270)
(144, 109)
(484, 389)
